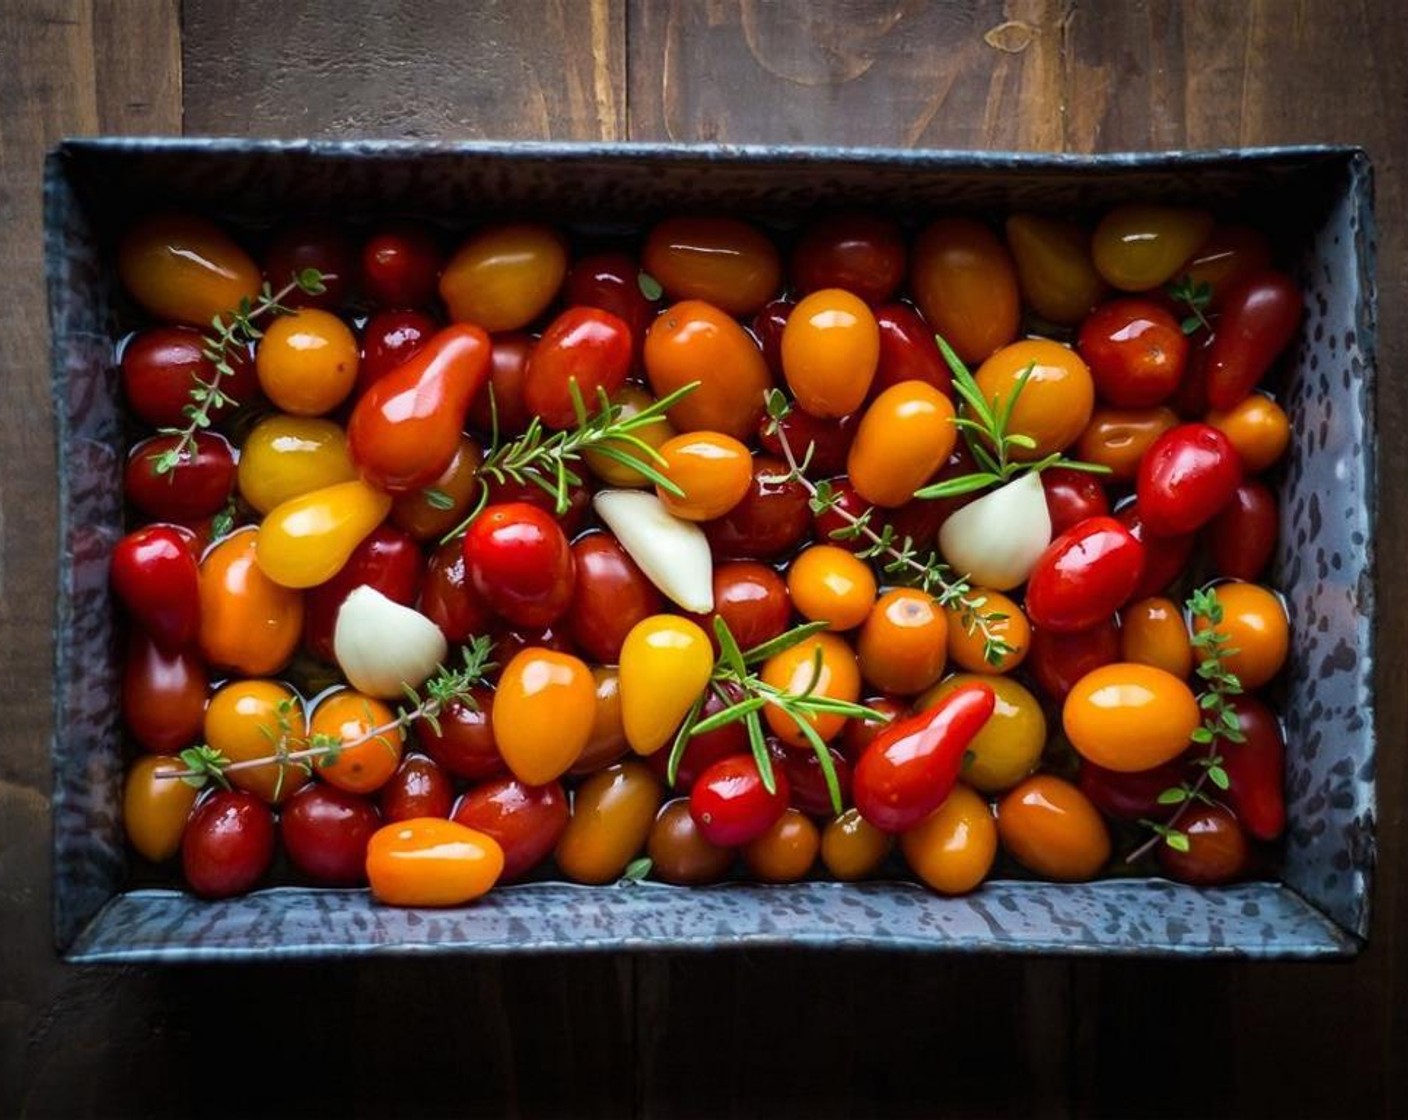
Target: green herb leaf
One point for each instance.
(636, 871)
(437, 498)
(649, 286)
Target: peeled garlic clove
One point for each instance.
(383, 647)
(996, 540)
(673, 553)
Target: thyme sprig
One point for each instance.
(230, 332)
(1196, 297)
(1220, 725)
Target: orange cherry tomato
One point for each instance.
(1140, 246)
(248, 623)
(713, 470)
(1050, 827)
(607, 741)
(852, 848)
(1118, 437)
(429, 861)
(543, 713)
(504, 276)
(953, 849)
(246, 720)
(431, 512)
(1230, 255)
(906, 435)
(1254, 621)
(966, 285)
(612, 812)
(1258, 428)
(286, 456)
(696, 342)
(185, 269)
(967, 647)
(786, 851)
(904, 643)
(1130, 717)
(154, 809)
(829, 584)
(307, 362)
(723, 261)
(305, 541)
(1152, 632)
(1010, 744)
(632, 400)
(793, 670)
(1055, 404)
(351, 717)
(1054, 269)
(830, 349)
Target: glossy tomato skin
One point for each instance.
(965, 284)
(694, 341)
(1054, 267)
(953, 848)
(508, 375)
(827, 665)
(611, 594)
(155, 576)
(312, 243)
(163, 695)
(326, 831)
(1242, 538)
(703, 750)
(1230, 256)
(159, 368)
(1084, 576)
(678, 851)
(731, 805)
(768, 522)
(1058, 660)
(1129, 795)
(830, 350)
(518, 559)
(821, 444)
(905, 435)
(1165, 557)
(752, 598)
(1136, 351)
(1186, 478)
(419, 788)
(572, 520)
(1129, 717)
(228, 844)
(389, 339)
(810, 793)
(449, 599)
(1258, 428)
(527, 821)
(155, 809)
(584, 345)
(786, 851)
(610, 281)
(1217, 848)
(1119, 438)
(1259, 319)
(431, 862)
(248, 623)
(723, 261)
(612, 813)
(1137, 247)
(198, 487)
(504, 276)
(401, 266)
(1057, 398)
(833, 525)
(464, 742)
(768, 325)
(860, 252)
(388, 559)
(1050, 827)
(185, 269)
(908, 351)
(1072, 497)
(1256, 769)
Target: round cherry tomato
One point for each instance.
(1050, 827)
(1256, 769)
(1056, 401)
(155, 809)
(1136, 351)
(679, 852)
(852, 848)
(905, 435)
(326, 832)
(163, 695)
(607, 742)
(572, 520)
(786, 851)
(1085, 575)
(821, 444)
(504, 276)
(430, 513)
(285, 457)
(1152, 632)
(1058, 661)
(723, 261)
(903, 646)
(953, 848)
(449, 599)
(828, 584)
(860, 733)
(707, 748)
(810, 791)
(1217, 848)
(1130, 796)
(967, 646)
(1259, 319)
(793, 671)
(431, 862)
(525, 821)
(836, 523)
(155, 576)
(1071, 497)
(197, 486)
(419, 788)
(1254, 624)
(543, 713)
(583, 346)
(612, 812)
(463, 742)
(518, 559)
(370, 753)
(666, 661)
(228, 844)
(908, 351)
(752, 599)
(1054, 267)
(1165, 557)
(312, 243)
(1230, 256)
(697, 342)
(1242, 537)
(502, 399)
(965, 283)
(248, 623)
(1130, 717)
(185, 269)
(1258, 428)
(767, 522)
(611, 282)
(1186, 477)
(307, 540)
(401, 265)
(160, 367)
(1118, 438)
(714, 471)
(611, 595)
(731, 805)
(1139, 246)
(830, 350)
(631, 400)
(388, 339)
(307, 362)
(1009, 745)
(862, 253)
(248, 720)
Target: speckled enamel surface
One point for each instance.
(1316, 201)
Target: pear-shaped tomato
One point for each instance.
(666, 662)
(306, 540)
(543, 713)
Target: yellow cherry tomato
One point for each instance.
(286, 456)
(786, 851)
(154, 809)
(504, 276)
(428, 861)
(830, 350)
(1050, 827)
(1258, 428)
(829, 584)
(185, 269)
(1152, 632)
(1130, 717)
(1255, 624)
(543, 713)
(1138, 247)
(906, 434)
(903, 645)
(715, 471)
(1009, 745)
(307, 362)
(607, 741)
(246, 720)
(248, 623)
(372, 747)
(632, 400)
(852, 848)
(1118, 437)
(306, 540)
(725, 261)
(612, 812)
(795, 669)
(666, 662)
(965, 283)
(953, 848)
(967, 647)
(1054, 269)
(1056, 402)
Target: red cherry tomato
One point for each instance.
(810, 792)
(1243, 536)
(1133, 795)
(163, 695)
(326, 831)
(834, 524)
(388, 559)
(449, 600)
(199, 486)
(731, 805)
(419, 788)
(1084, 576)
(703, 750)
(752, 599)
(1191, 400)
(1259, 319)
(910, 767)
(1058, 661)
(155, 576)
(908, 351)
(1217, 848)
(860, 733)
(463, 743)
(527, 821)
(1136, 352)
(573, 520)
(610, 281)
(228, 844)
(822, 444)
(1165, 557)
(1256, 769)
(862, 253)
(611, 595)
(1186, 477)
(519, 560)
(1071, 497)
(768, 325)
(503, 401)
(389, 339)
(583, 345)
(160, 367)
(509, 641)
(769, 522)
(401, 266)
(312, 243)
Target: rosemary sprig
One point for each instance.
(1220, 725)
(1196, 297)
(230, 332)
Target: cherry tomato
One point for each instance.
(830, 350)
(155, 576)
(903, 645)
(860, 733)
(1136, 351)
(908, 351)
(1140, 246)
(1217, 848)
(160, 367)
(1118, 438)
(1255, 626)
(852, 848)
(862, 253)
(307, 362)
(752, 599)
(1009, 746)
(504, 276)
(953, 848)
(502, 399)
(793, 671)
(312, 243)
(724, 261)
(610, 281)
(185, 269)
(583, 346)
(612, 812)
(1186, 477)
(828, 584)
(286, 457)
(1085, 575)
(542, 714)
(401, 265)
(1130, 717)
(611, 595)
(572, 520)
(525, 821)
(449, 599)
(1256, 769)
(1071, 497)
(768, 325)
(1130, 796)
(905, 435)
(430, 513)
(706, 748)
(1191, 400)
(769, 521)
(1057, 661)
(370, 754)
(248, 720)
(431, 862)
(518, 559)
(631, 400)
(679, 852)
(307, 540)
(1050, 827)
(607, 742)
(155, 809)
(697, 342)
(419, 788)
(836, 523)
(810, 791)
(163, 695)
(248, 623)
(198, 486)
(731, 805)
(666, 661)
(1054, 268)
(1243, 536)
(1152, 632)
(1165, 557)
(786, 851)
(463, 742)
(326, 832)
(389, 339)
(967, 647)
(1230, 256)
(1259, 319)
(1056, 402)
(228, 844)
(965, 283)
(1258, 428)
(714, 471)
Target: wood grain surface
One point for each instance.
(729, 1034)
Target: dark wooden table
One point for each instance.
(729, 1034)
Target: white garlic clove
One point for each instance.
(673, 553)
(384, 647)
(996, 540)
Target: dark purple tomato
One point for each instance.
(731, 805)
(390, 338)
(160, 367)
(862, 253)
(419, 788)
(1256, 769)
(312, 243)
(518, 559)
(199, 486)
(908, 351)
(810, 792)
(1057, 661)
(1242, 538)
(1071, 497)
(401, 266)
(388, 560)
(228, 844)
(463, 742)
(612, 594)
(1259, 319)
(769, 522)
(679, 853)
(1217, 848)
(163, 695)
(326, 831)
(1133, 795)
(527, 821)
(1084, 576)
(449, 600)
(1186, 477)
